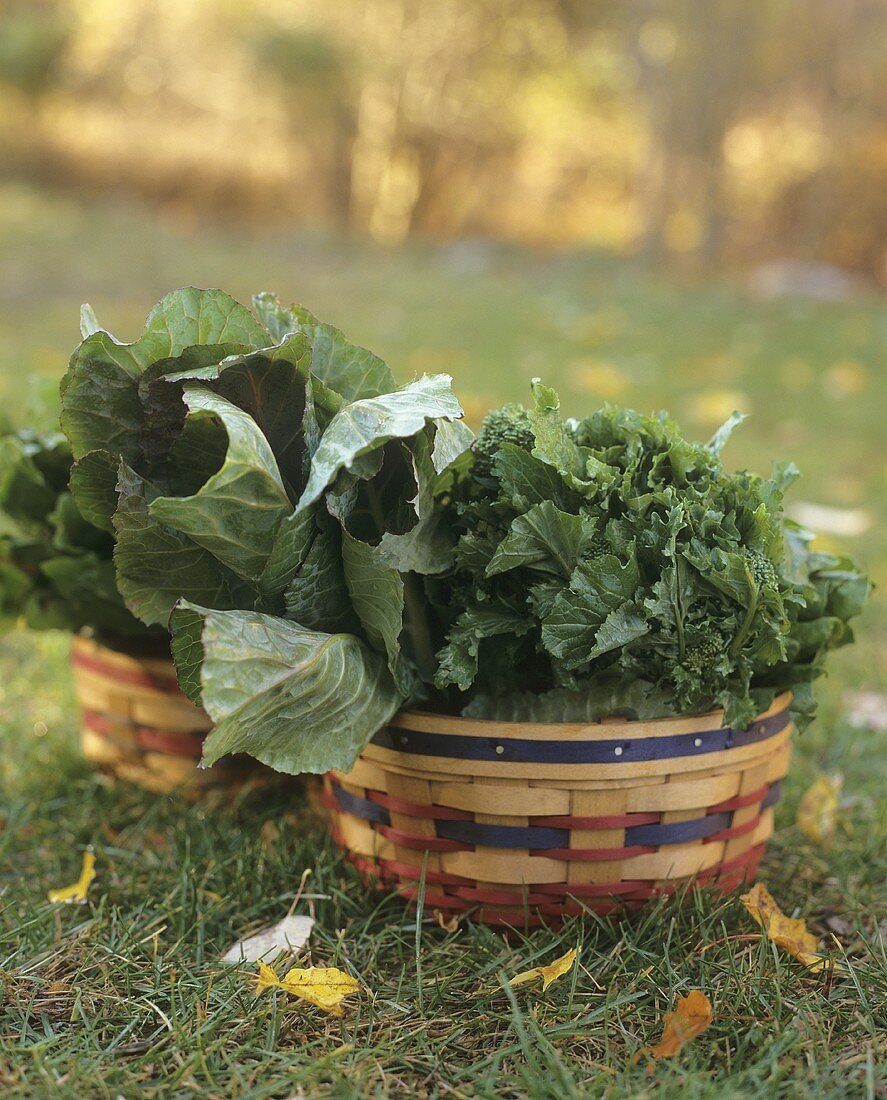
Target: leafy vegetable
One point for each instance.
(271, 492)
(610, 566)
(55, 566)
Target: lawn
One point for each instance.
(125, 996)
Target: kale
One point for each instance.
(611, 566)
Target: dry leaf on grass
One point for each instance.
(76, 892)
(449, 922)
(817, 814)
(289, 934)
(789, 933)
(549, 973)
(692, 1015)
(325, 987)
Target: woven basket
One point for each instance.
(138, 726)
(523, 824)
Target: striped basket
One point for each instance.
(138, 726)
(523, 824)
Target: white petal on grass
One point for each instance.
(290, 934)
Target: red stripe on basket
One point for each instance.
(99, 723)
(146, 737)
(614, 821)
(394, 867)
(595, 855)
(741, 801)
(593, 889)
(434, 901)
(388, 869)
(500, 897)
(422, 843)
(735, 830)
(156, 681)
(416, 809)
(176, 744)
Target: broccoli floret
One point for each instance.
(703, 655)
(761, 568)
(595, 547)
(510, 424)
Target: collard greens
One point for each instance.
(270, 493)
(609, 566)
(56, 570)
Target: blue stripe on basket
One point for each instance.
(538, 837)
(772, 796)
(679, 832)
(611, 751)
(503, 836)
(361, 807)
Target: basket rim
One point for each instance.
(425, 721)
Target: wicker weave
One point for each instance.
(138, 726)
(521, 824)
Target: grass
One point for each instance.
(125, 996)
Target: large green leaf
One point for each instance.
(545, 538)
(101, 409)
(292, 541)
(317, 595)
(554, 441)
(350, 370)
(451, 439)
(458, 660)
(94, 488)
(186, 647)
(25, 495)
(595, 616)
(527, 480)
(270, 384)
(362, 426)
(377, 597)
(237, 512)
(298, 700)
(427, 546)
(156, 565)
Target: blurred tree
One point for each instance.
(708, 130)
(319, 91)
(33, 37)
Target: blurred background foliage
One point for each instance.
(704, 131)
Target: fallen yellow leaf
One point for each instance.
(76, 892)
(789, 933)
(325, 987)
(692, 1015)
(817, 814)
(549, 973)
